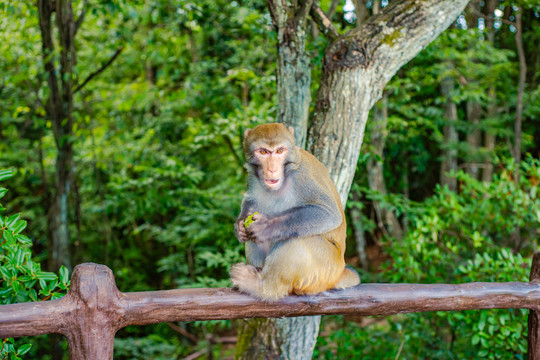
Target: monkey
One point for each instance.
(296, 243)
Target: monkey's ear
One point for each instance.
(291, 129)
(246, 132)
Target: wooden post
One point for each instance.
(533, 334)
(96, 313)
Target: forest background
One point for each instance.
(445, 191)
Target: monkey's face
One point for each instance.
(269, 148)
(271, 164)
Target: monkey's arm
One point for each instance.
(306, 220)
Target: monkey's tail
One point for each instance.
(348, 278)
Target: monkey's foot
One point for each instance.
(246, 278)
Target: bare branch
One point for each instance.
(304, 7)
(324, 23)
(492, 18)
(272, 10)
(100, 70)
(81, 17)
(332, 9)
(184, 332)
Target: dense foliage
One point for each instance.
(22, 276)
(157, 175)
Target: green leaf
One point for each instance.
(8, 236)
(64, 275)
(32, 295)
(19, 257)
(24, 240)
(46, 275)
(3, 192)
(19, 226)
(10, 221)
(24, 349)
(4, 293)
(6, 274)
(5, 174)
(16, 286)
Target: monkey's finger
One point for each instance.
(258, 217)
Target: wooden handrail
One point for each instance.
(94, 309)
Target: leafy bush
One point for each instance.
(455, 238)
(22, 278)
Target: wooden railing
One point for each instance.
(94, 309)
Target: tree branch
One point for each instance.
(332, 9)
(492, 18)
(233, 150)
(81, 17)
(183, 332)
(272, 10)
(100, 70)
(324, 23)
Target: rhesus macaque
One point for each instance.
(297, 240)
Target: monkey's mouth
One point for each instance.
(271, 182)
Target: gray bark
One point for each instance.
(293, 65)
(268, 338)
(449, 156)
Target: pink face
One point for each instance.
(272, 161)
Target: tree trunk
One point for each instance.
(516, 236)
(489, 139)
(287, 338)
(379, 121)
(521, 88)
(356, 67)
(268, 338)
(59, 110)
(293, 66)
(361, 243)
(474, 112)
(449, 156)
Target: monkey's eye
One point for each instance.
(280, 151)
(263, 151)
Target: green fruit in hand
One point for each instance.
(249, 220)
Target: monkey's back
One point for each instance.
(315, 170)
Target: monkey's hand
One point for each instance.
(261, 231)
(240, 230)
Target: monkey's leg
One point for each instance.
(305, 265)
(250, 280)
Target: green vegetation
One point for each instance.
(22, 277)
(157, 176)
